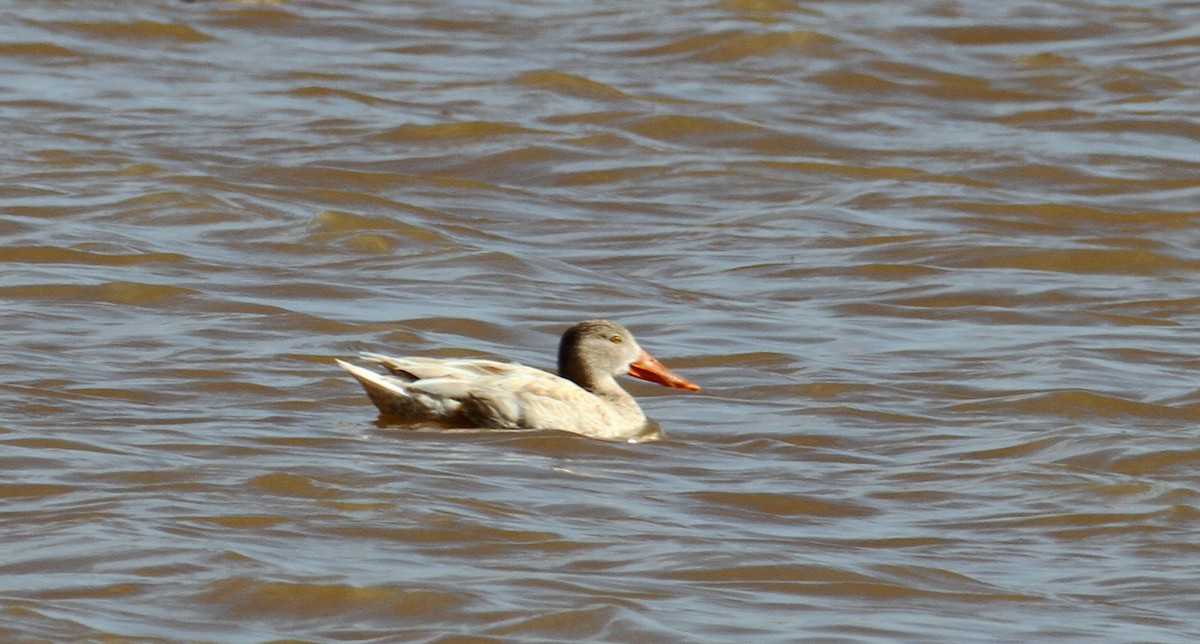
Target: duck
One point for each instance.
(583, 398)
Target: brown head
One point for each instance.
(594, 349)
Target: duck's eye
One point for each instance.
(616, 339)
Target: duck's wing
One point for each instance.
(487, 393)
(395, 396)
(480, 393)
(418, 368)
(526, 398)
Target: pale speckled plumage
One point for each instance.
(500, 395)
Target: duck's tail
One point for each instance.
(388, 393)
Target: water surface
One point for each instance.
(934, 265)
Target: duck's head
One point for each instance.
(594, 349)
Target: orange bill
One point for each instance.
(647, 367)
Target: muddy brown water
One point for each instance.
(934, 263)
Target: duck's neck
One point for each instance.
(601, 384)
(590, 380)
(571, 365)
(619, 409)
